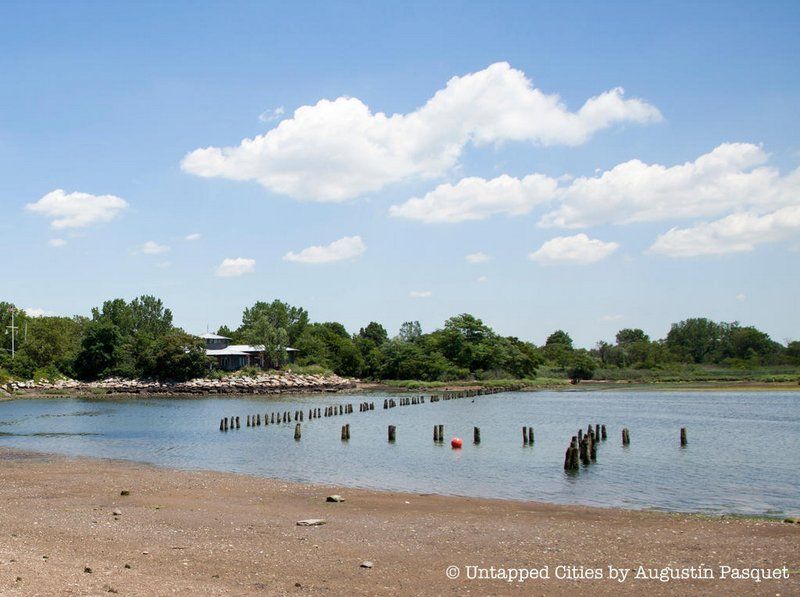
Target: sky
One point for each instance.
(583, 166)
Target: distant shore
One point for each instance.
(69, 529)
(305, 384)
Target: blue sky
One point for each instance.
(678, 198)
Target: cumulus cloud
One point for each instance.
(476, 198)
(77, 210)
(482, 279)
(731, 176)
(193, 236)
(578, 249)
(230, 268)
(609, 318)
(348, 247)
(56, 242)
(151, 247)
(339, 149)
(736, 233)
(741, 297)
(37, 312)
(479, 257)
(420, 294)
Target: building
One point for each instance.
(231, 357)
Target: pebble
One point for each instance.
(366, 564)
(311, 522)
(117, 512)
(124, 492)
(334, 498)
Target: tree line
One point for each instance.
(137, 339)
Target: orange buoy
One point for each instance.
(456, 443)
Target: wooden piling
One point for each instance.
(603, 432)
(476, 435)
(524, 436)
(684, 441)
(441, 433)
(392, 433)
(221, 425)
(297, 431)
(530, 435)
(626, 437)
(435, 434)
(238, 425)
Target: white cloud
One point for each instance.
(479, 257)
(151, 247)
(731, 176)
(193, 236)
(77, 210)
(36, 312)
(476, 198)
(607, 318)
(56, 242)
(271, 115)
(230, 268)
(578, 249)
(736, 233)
(339, 149)
(420, 294)
(741, 297)
(483, 279)
(348, 247)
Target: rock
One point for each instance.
(124, 492)
(128, 566)
(117, 513)
(311, 522)
(790, 520)
(366, 564)
(87, 570)
(334, 498)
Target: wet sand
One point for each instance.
(214, 533)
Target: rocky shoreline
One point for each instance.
(267, 383)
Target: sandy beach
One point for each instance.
(214, 533)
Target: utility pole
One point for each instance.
(13, 329)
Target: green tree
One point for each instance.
(559, 337)
(410, 331)
(581, 367)
(631, 335)
(696, 339)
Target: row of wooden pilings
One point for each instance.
(256, 420)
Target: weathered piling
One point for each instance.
(248, 420)
(592, 448)
(392, 433)
(626, 437)
(238, 425)
(584, 450)
(530, 436)
(597, 432)
(684, 440)
(441, 432)
(385, 403)
(603, 432)
(222, 424)
(435, 434)
(297, 431)
(571, 456)
(258, 420)
(476, 435)
(524, 436)
(345, 432)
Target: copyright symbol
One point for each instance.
(452, 572)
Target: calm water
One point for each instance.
(740, 459)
